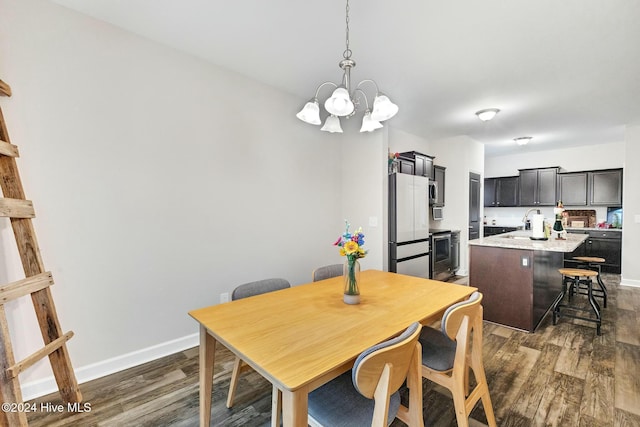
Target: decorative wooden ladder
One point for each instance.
(36, 284)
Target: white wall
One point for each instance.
(401, 141)
(364, 189)
(159, 182)
(460, 155)
(631, 203)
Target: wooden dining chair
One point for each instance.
(368, 394)
(327, 272)
(244, 291)
(447, 356)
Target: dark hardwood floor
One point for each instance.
(563, 375)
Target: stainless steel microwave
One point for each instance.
(437, 213)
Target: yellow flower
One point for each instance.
(351, 247)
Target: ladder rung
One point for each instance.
(24, 287)
(17, 208)
(5, 89)
(13, 371)
(8, 149)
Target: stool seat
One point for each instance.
(589, 259)
(574, 277)
(577, 272)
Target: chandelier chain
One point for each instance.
(347, 52)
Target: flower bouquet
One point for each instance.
(351, 247)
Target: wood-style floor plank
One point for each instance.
(627, 384)
(563, 375)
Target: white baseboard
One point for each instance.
(629, 282)
(34, 389)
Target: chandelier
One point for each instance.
(344, 102)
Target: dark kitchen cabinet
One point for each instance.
(603, 244)
(490, 192)
(605, 188)
(438, 178)
(502, 191)
(538, 187)
(407, 166)
(422, 163)
(591, 188)
(572, 188)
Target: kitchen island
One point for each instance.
(519, 276)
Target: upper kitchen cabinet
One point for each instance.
(605, 188)
(538, 187)
(502, 191)
(407, 166)
(422, 163)
(572, 188)
(438, 179)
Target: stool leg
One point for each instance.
(556, 303)
(603, 288)
(594, 305)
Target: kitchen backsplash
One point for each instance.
(512, 217)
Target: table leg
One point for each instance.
(295, 407)
(206, 360)
(276, 406)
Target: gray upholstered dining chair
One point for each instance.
(449, 353)
(368, 394)
(327, 272)
(244, 291)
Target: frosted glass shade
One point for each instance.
(523, 140)
(383, 108)
(310, 113)
(488, 114)
(332, 124)
(340, 103)
(368, 124)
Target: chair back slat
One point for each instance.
(259, 287)
(327, 272)
(453, 316)
(397, 353)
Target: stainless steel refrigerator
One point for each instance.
(409, 224)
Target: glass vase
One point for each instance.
(351, 274)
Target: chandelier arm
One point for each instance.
(366, 101)
(321, 85)
(370, 81)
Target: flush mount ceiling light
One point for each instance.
(523, 140)
(344, 102)
(487, 114)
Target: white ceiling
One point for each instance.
(566, 72)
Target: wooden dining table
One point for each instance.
(302, 337)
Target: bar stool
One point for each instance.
(594, 263)
(573, 277)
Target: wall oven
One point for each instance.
(441, 256)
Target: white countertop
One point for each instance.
(521, 240)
